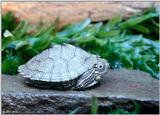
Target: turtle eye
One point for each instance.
(100, 66)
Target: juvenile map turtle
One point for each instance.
(64, 67)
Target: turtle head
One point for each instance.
(101, 68)
(93, 76)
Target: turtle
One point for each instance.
(64, 67)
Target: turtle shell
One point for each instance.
(59, 63)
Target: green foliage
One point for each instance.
(71, 29)
(9, 21)
(10, 63)
(21, 46)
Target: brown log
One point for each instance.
(69, 12)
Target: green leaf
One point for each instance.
(6, 42)
(21, 44)
(43, 40)
(98, 26)
(11, 43)
(146, 68)
(8, 22)
(141, 29)
(112, 33)
(155, 23)
(74, 28)
(137, 109)
(113, 22)
(94, 106)
(101, 42)
(29, 52)
(74, 111)
(60, 40)
(136, 20)
(87, 32)
(119, 111)
(20, 30)
(81, 40)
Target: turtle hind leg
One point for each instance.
(38, 84)
(49, 85)
(67, 85)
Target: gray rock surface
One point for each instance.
(118, 87)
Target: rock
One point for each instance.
(118, 87)
(70, 12)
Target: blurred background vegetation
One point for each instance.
(131, 43)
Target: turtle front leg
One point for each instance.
(87, 79)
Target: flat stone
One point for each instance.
(120, 87)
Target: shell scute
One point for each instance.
(42, 56)
(60, 66)
(55, 52)
(46, 65)
(68, 52)
(33, 64)
(81, 53)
